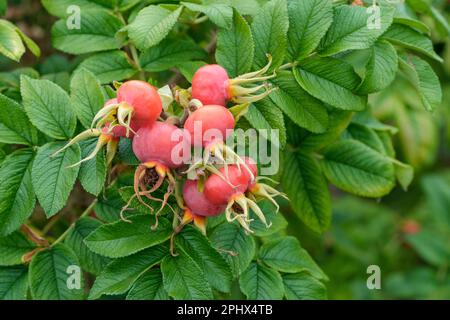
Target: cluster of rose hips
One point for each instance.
(220, 181)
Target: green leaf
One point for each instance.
(423, 78)
(220, 14)
(183, 279)
(298, 105)
(3, 7)
(169, 53)
(13, 283)
(265, 116)
(235, 47)
(92, 173)
(418, 135)
(389, 147)
(15, 127)
(125, 5)
(307, 190)
(248, 7)
(278, 222)
(356, 168)
(381, 68)
(62, 79)
(286, 255)
(48, 107)
(412, 23)
(89, 261)
(437, 195)
(367, 119)
(17, 197)
(189, 68)
(409, 38)
(12, 78)
(60, 8)
(2, 156)
(301, 286)
(404, 174)
(109, 206)
(366, 135)
(332, 81)
(56, 63)
(261, 283)
(11, 45)
(420, 6)
(350, 29)
(441, 22)
(309, 20)
(151, 25)
(269, 29)
(52, 180)
(31, 45)
(86, 95)
(126, 154)
(109, 66)
(122, 238)
(148, 287)
(120, 274)
(431, 246)
(96, 33)
(13, 247)
(235, 246)
(198, 247)
(338, 121)
(49, 274)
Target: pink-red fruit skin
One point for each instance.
(197, 202)
(209, 120)
(162, 142)
(219, 192)
(251, 164)
(210, 85)
(144, 100)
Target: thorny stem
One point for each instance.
(34, 236)
(133, 52)
(212, 43)
(51, 223)
(184, 116)
(135, 56)
(164, 115)
(176, 231)
(176, 78)
(84, 214)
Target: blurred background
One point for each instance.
(407, 234)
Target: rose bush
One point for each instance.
(92, 201)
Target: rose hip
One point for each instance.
(160, 148)
(212, 85)
(209, 123)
